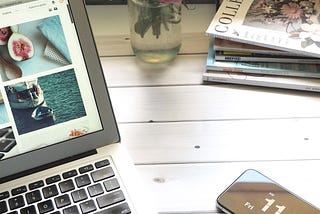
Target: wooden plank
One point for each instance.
(120, 45)
(222, 141)
(193, 188)
(191, 141)
(126, 71)
(188, 103)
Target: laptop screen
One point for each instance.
(45, 92)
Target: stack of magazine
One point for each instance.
(265, 43)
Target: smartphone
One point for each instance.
(254, 193)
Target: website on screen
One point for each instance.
(45, 91)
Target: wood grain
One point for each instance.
(190, 140)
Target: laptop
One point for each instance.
(60, 148)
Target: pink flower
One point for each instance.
(292, 11)
(170, 1)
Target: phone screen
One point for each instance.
(254, 193)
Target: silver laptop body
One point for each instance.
(60, 148)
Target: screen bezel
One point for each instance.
(108, 135)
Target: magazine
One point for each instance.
(296, 83)
(235, 56)
(270, 68)
(228, 45)
(286, 25)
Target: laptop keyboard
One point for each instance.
(92, 188)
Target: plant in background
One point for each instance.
(158, 13)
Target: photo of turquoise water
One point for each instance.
(61, 94)
(3, 114)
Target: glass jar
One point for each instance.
(155, 29)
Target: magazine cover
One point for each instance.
(285, 25)
(270, 68)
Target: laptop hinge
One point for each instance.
(47, 166)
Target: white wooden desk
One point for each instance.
(190, 140)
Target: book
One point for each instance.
(287, 25)
(284, 82)
(236, 56)
(269, 68)
(228, 45)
